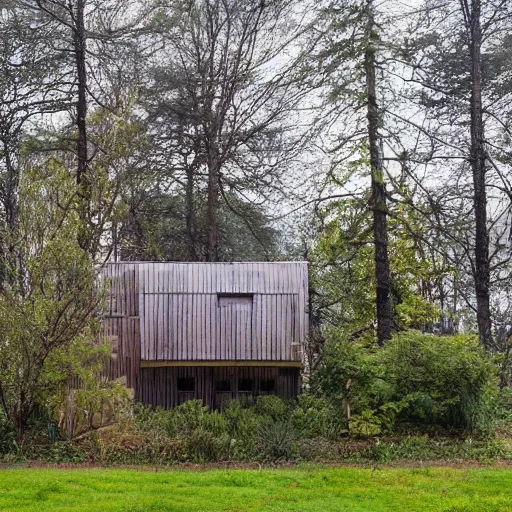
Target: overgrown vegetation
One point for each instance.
(420, 397)
(270, 431)
(417, 378)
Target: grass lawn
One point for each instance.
(303, 489)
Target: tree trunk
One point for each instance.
(81, 106)
(478, 166)
(82, 175)
(378, 189)
(13, 264)
(212, 211)
(190, 214)
(11, 207)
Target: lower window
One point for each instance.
(245, 385)
(268, 386)
(186, 384)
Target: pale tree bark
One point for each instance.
(378, 188)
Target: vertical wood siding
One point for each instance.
(158, 386)
(205, 312)
(121, 323)
(183, 318)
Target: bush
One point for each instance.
(7, 435)
(317, 417)
(276, 440)
(449, 381)
(65, 452)
(420, 378)
(426, 449)
(270, 429)
(273, 407)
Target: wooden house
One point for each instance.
(209, 331)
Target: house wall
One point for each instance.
(160, 313)
(121, 321)
(183, 317)
(159, 386)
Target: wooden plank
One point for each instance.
(237, 330)
(200, 327)
(179, 325)
(269, 327)
(285, 328)
(306, 301)
(197, 322)
(194, 319)
(172, 314)
(150, 326)
(210, 326)
(201, 321)
(189, 342)
(225, 333)
(218, 328)
(255, 319)
(186, 327)
(264, 331)
(233, 323)
(275, 326)
(157, 322)
(220, 331)
(204, 326)
(280, 305)
(229, 318)
(164, 300)
(214, 322)
(144, 330)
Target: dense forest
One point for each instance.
(372, 139)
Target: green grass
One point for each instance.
(307, 489)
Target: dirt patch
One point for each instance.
(463, 464)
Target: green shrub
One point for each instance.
(65, 452)
(203, 445)
(446, 380)
(421, 378)
(7, 435)
(189, 432)
(186, 418)
(242, 424)
(276, 440)
(315, 449)
(273, 407)
(425, 448)
(504, 407)
(317, 417)
(414, 384)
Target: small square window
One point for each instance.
(268, 386)
(235, 301)
(186, 384)
(223, 385)
(245, 385)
